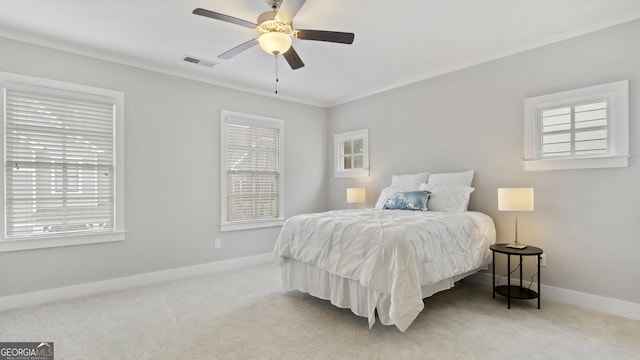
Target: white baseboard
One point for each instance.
(595, 302)
(99, 287)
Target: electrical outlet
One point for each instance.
(218, 243)
(543, 260)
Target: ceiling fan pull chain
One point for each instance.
(276, 56)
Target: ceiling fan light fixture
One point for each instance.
(275, 42)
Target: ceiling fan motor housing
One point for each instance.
(267, 22)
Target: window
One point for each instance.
(60, 169)
(352, 153)
(583, 128)
(252, 175)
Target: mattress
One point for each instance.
(387, 260)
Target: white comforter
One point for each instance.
(393, 252)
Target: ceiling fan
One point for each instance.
(276, 31)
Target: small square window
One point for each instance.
(352, 153)
(582, 128)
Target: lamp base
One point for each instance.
(516, 246)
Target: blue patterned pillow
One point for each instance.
(410, 200)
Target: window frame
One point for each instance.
(616, 95)
(258, 121)
(338, 142)
(67, 239)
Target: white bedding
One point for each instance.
(393, 253)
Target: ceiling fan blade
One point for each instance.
(330, 36)
(223, 17)
(293, 59)
(238, 49)
(288, 9)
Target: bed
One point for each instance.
(382, 262)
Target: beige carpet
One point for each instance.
(244, 314)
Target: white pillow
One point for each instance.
(457, 178)
(388, 191)
(448, 198)
(409, 179)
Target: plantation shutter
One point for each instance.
(575, 130)
(253, 171)
(59, 162)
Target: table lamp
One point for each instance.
(355, 195)
(515, 199)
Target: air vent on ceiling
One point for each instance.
(195, 60)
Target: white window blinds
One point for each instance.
(59, 162)
(253, 171)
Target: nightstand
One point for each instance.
(515, 291)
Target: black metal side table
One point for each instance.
(515, 291)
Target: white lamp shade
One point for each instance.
(515, 199)
(355, 195)
(275, 42)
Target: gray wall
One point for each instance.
(587, 221)
(172, 172)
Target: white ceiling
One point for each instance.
(396, 42)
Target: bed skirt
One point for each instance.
(349, 293)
